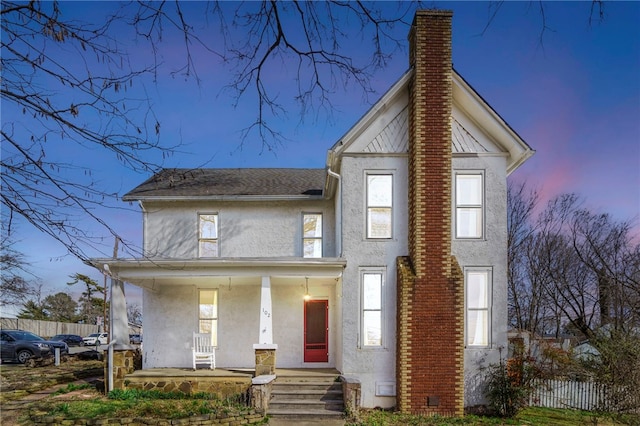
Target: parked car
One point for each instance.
(135, 339)
(69, 339)
(99, 338)
(20, 345)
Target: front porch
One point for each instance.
(315, 392)
(223, 382)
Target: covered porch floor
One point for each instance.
(231, 373)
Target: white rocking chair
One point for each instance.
(203, 350)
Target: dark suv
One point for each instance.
(69, 339)
(20, 345)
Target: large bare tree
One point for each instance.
(68, 79)
(570, 267)
(17, 281)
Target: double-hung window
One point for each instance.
(469, 205)
(478, 304)
(208, 235)
(312, 235)
(379, 205)
(208, 313)
(372, 287)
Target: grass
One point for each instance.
(71, 387)
(22, 378)
(83, 403)
(528, 416)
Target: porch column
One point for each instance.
(119, 326)
(266, 323)
(265, 349)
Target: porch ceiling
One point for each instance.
(150, 273)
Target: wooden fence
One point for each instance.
(579, 395)
(48, 328)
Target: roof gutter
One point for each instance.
(222, 198)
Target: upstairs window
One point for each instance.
(208, 313)
(312, 235)
(208, 235)
(478, 302)
(469, 206)
(379, 205)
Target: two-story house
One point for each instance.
(387, 264)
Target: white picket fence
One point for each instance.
(579, 395)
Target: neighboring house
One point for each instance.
(387, 264)
(534, 346)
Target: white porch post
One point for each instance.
(120, 353)
(266, 323)
(118, 323)
(265, 349)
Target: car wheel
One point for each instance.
(81, 343)
(24, 356)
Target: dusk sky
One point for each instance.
(570, 90)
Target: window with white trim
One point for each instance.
(469, 205)
(372, 282)
(312, 235)
(208, 313)
(478, 303)
(379, 205)
(208, 235)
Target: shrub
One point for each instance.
(510, 383)
(617, 367)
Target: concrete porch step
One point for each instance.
(306, 414)
(318, 394)
(308, 379)
(306, 398)
(306, 404)
(305, 421)
(312, 386)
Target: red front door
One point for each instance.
(316, 331)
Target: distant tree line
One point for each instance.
(571, 270)
(62, 307)
(575, 273)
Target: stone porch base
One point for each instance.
(222, 383)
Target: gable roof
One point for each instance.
(465, 97)
(275, 183)
(488, 119)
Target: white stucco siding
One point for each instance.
(169, 321)
(491, 251)
(170, 230)
(238, 324)
(246, 229)
(372, 366)
(171, 318)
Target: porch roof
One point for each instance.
(151, 272)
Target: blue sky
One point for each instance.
(571, 91)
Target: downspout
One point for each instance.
(111, 337)
(107, 271)
(339, 212)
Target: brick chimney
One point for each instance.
(430, 363)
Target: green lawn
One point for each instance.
(528, 416)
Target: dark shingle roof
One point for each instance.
(196, 183)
